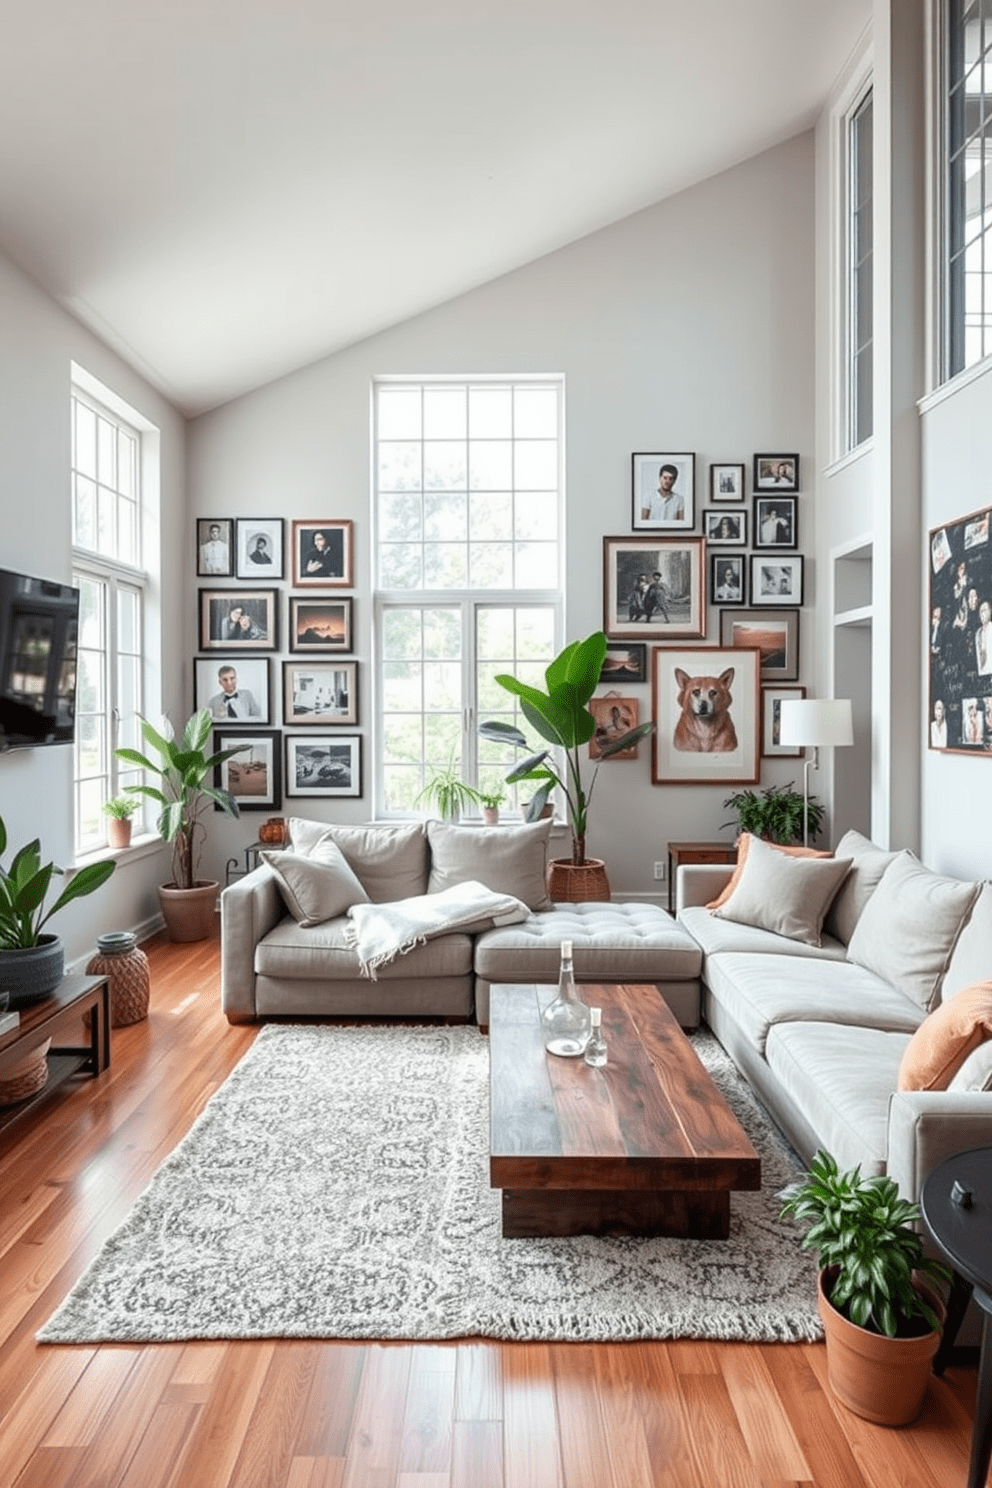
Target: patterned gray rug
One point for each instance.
(336, 1186)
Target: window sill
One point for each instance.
(140, 847)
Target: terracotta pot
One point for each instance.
(119, 831)
(880, 1379)
(189, 914)
(569, 883)
(490, 815)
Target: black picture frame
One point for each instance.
(959, 718)
(252, 559)
(214, 534)
(775, 472)
(323, 765)
(727, 481)
(645, 483)
(320, 625)
(625, 661)
(253, 778)
(320, 694)
(252, 676)
(776, 522)
(777, 578)
(728, 579)
(239, 619)
(725, 528)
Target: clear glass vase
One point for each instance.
(565, 1023)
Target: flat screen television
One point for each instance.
(39, 628)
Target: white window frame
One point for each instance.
(470, 601)
(942, 319)
(854, 439)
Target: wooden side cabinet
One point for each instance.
(695, 852)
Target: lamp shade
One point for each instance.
(816, 721)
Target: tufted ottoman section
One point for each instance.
(611, 943)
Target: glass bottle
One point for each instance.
(596, 1047)
(565, 1022)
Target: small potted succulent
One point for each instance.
(119, 811)
(490, 801)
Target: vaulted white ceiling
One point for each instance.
(225, 190)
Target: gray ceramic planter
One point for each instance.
(27, 974)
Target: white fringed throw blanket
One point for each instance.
(381, 932)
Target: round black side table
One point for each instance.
(956, 1203)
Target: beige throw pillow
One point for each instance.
(508, 860)
(315, 887)
(868, 865)
(743, 846)
(784, 894)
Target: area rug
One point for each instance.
(336, 1186)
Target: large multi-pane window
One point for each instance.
(968, 164)
(106, 518)
(859, 296)
(468, 555)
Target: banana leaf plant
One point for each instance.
(24, 885)
(185, 772)
(561, 716)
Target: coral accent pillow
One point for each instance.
(743, 847)
(943, 1041)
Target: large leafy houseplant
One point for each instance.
(186, 792)
(24, 886)
(776, 814)
(561, 717)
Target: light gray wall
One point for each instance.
(687, 326)
(38, 341)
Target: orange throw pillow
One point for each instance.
(744, 842)
(943, 1041)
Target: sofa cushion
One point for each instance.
(743, 848)
(908, 928)
(508, 860)
(322, 954)
(610, 943)
(971, 960)
(760, 991)
(840, 1078)
(943, 1041)
(868, 863)
(317, 887)
(715, 934)
(390, 862)
(785, 894)
(976, 1072)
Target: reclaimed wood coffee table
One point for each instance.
(646, 1145)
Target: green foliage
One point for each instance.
(775, 814)
(561, 717)
(863, 1228)
(184, 770)
(492, 799)
(24, 885)
(121, 807)
(449, 794)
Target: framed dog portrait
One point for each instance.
(320, 693)
(706, 704)
(772, 699)
(319, 624)
(776, 473)
(728, 580)
(242, 619)
(253, 777)
(728, 529)
(653, 588)
(258, 543)
(214, 547)
(777, 580)
(727, 482)
(775, 634)
(776, 522)
(624, 663)
(614, 715)
(322, 555)
(234, 688)
(324, 767)
(663, 492)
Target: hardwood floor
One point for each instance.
(346, 1415)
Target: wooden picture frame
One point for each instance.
(614, 715)
(675, 609)
(259, 544)
(774, 633)
(254, 778)
(959, 717)
(323, 556)
(320, 694)
(214, 547)
(706, 706)
(663, 492)
(320, 625)
(251, 683)
(239, 620)
(772, 699)
(727, 482)
(777, 579)
(323, 766)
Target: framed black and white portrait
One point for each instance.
(245, 619)
(727, 482)
(728, 579)
(776, 472)
(214, 547)
(329, 766)
(663, 492)
(726, 528)
(259, 545)
(653, 588)
(320, 693)
(234, 688)
(322, 554)
(776, 522)
(776, 579)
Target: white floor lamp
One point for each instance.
(816, 723)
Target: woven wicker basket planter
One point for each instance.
(26, 1077)
(125, 966)
(586, 883)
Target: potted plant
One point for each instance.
(119, 811)
(32, 963)
(776, 814)
(491, 801)
(881, 1318)
(185, 793)
(561, 717)
(447, 793)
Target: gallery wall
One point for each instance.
(686, 327)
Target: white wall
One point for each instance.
(38, 341)
(687, 326)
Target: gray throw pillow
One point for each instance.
(786, 895)
(909, 927)
(315, 887)
(391, 862)
(868, 864)
(508, 860)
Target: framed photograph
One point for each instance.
(776, 522)
(959, 717)
(776, 473)
(258, 543)
(214, 547)
(233, 687)
(324, 767)
(624, 663)
(777, 580)
(319, 624)
(245, 619)
(726, 528)
(653, 588)
(728, 580)
(322, 555)
(320, 692)
(663, 492)
(772, 699)
(253, 777)
(775, 634)
(706, 704)
(727, 482)
(614, 715)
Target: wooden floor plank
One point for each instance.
(762, 1418)
(530, 1430)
